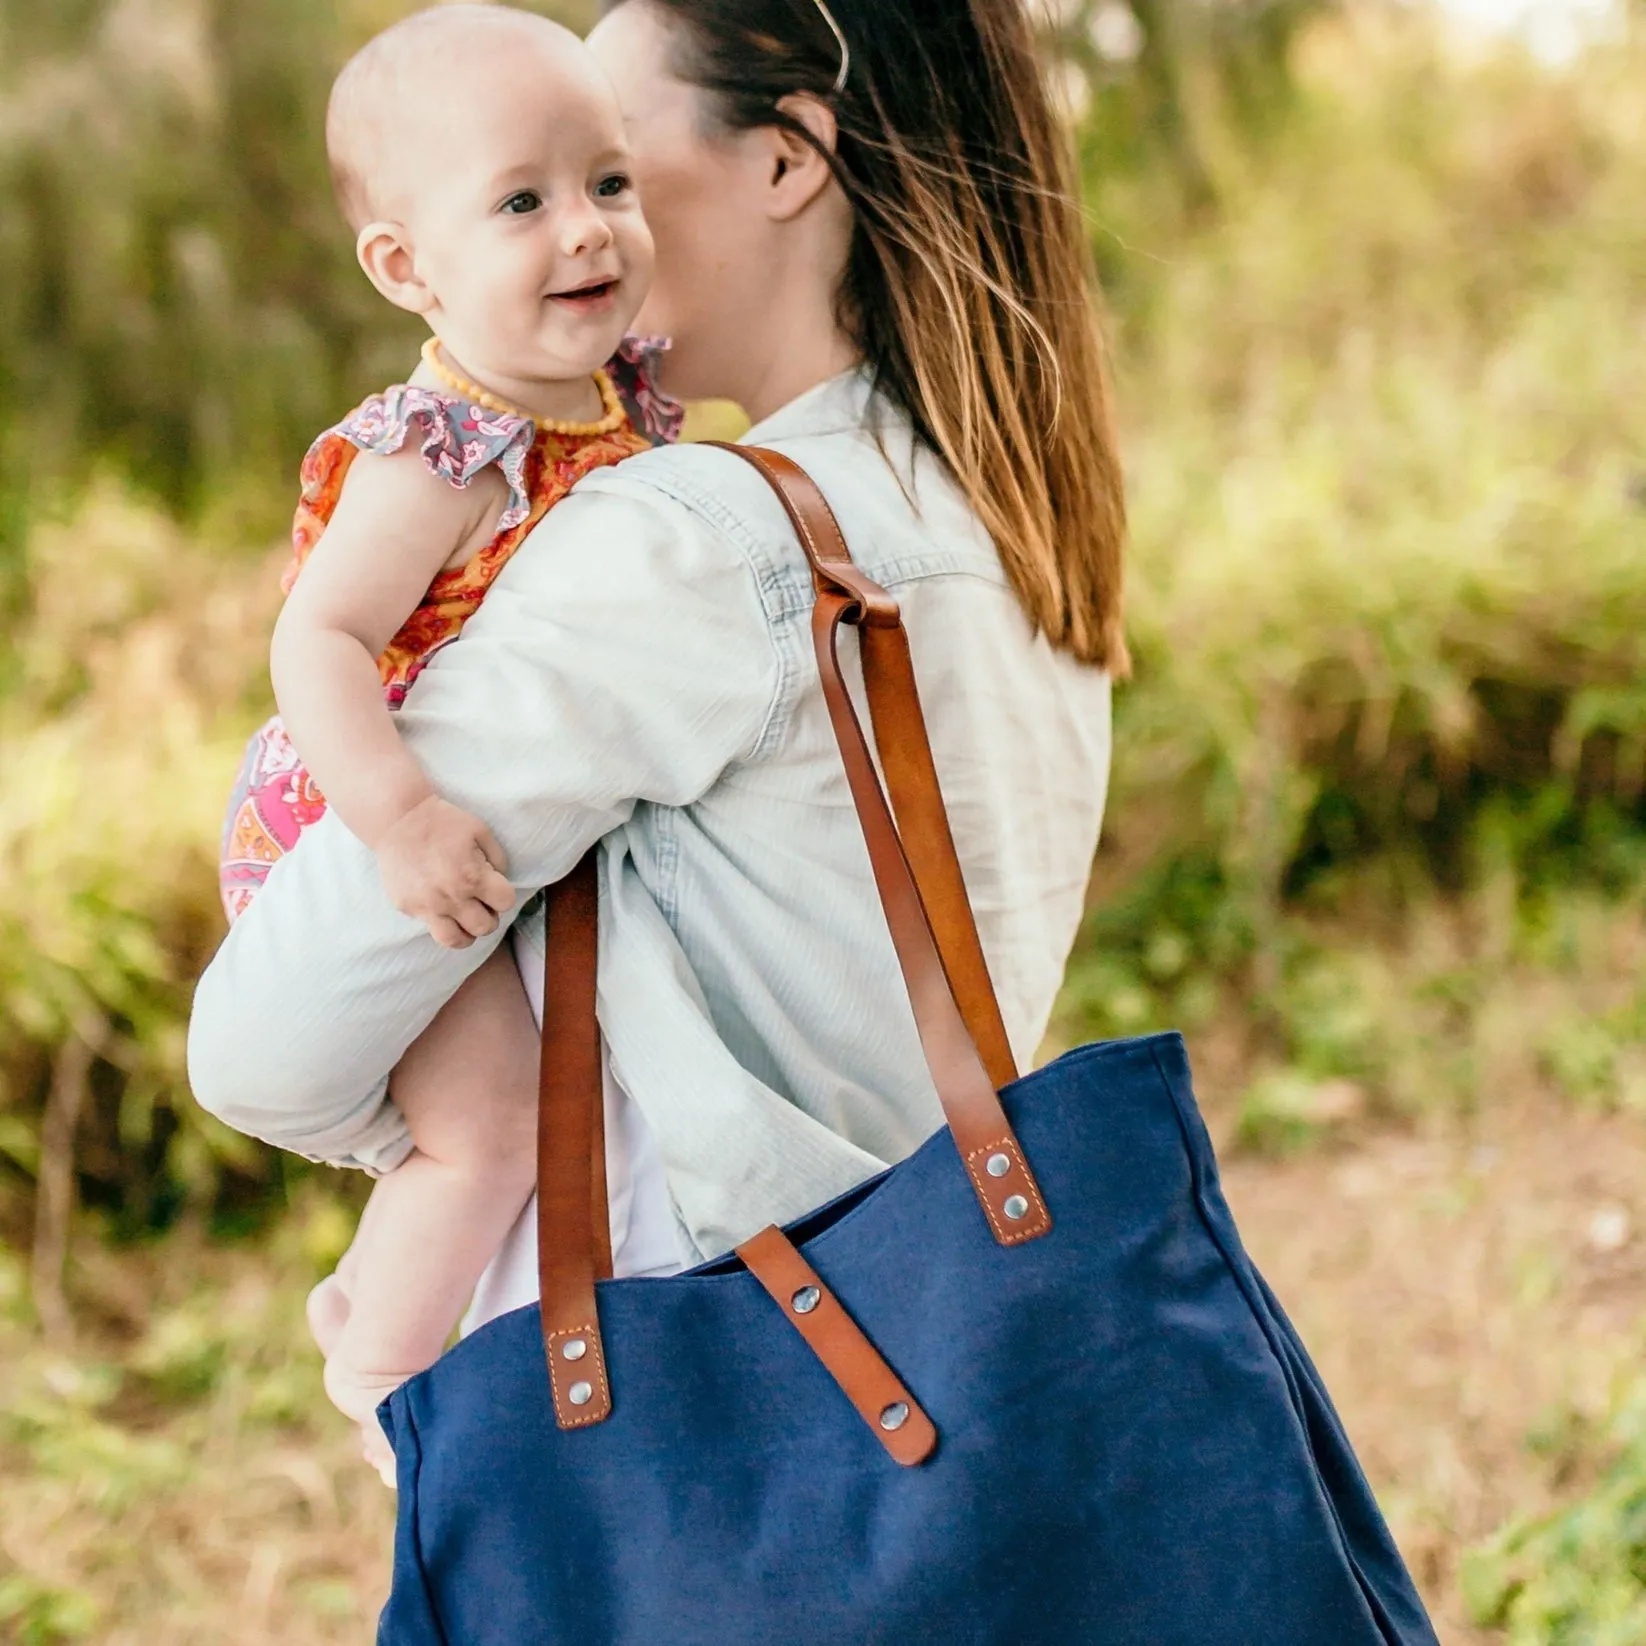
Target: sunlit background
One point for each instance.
(1375, 275)
(1555, 31)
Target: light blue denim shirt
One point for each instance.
(641, 674)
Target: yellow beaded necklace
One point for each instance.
(614, 419)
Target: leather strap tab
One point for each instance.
(573, 1233)
(893, 1415)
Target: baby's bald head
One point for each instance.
(382, 100)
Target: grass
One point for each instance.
(177, 1474)
(1574, 1577)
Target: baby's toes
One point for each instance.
(375, 1448)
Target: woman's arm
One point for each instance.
(623, 655)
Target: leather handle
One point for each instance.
(955, 1008)
(988, 1147)
(573, 1231)
(922, 891)
(923, 826)
(905, 749)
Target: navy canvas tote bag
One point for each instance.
(1025, 1387)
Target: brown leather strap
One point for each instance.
(572, 1230)
(923, 825)
(600, 1215)
(905, 752)
(955, 1010)
(951, 1039)
(893, 1415)
(576, 903)
(988, 1147)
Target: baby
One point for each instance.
(479, 157)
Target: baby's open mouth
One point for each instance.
(591, 295)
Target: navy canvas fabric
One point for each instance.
(1134, 1448)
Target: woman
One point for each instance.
(866, 237)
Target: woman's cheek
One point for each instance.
(657, 316)
(672, 257)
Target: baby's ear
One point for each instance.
(386, 256)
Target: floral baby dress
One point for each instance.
(274, 798)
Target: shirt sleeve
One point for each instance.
(622, 656)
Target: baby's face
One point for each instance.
(523, 216)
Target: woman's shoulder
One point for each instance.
(901, 513)
(665, 518)
(696, 486)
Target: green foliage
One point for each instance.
(1388, 587)
(1600, 1057)
(1576, 1577)
(38, 1615)
(135, 682)
(1171, 94)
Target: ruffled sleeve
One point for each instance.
(634, 373)
(458, 439)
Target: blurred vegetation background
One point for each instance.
(1377, 840)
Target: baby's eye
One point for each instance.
(608, 188)
(527, 200)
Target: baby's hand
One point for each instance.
(446, 868)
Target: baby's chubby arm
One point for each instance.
(395, 525)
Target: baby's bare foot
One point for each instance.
(357, 1396)
(328, 1313)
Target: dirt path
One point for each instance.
(1461, 1292)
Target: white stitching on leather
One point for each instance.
(591, 1336)
(1035, 1227)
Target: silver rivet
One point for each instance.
(805, 1300)
(1016, 1207)
(998, 1165)
(574, 1348)
(894, 1416)
(580, 1394)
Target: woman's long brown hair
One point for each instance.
(969, 288)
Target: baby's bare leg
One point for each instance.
(467, 1088)
(328, 1303)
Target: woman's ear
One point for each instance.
(798, 172)
(386, 255)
